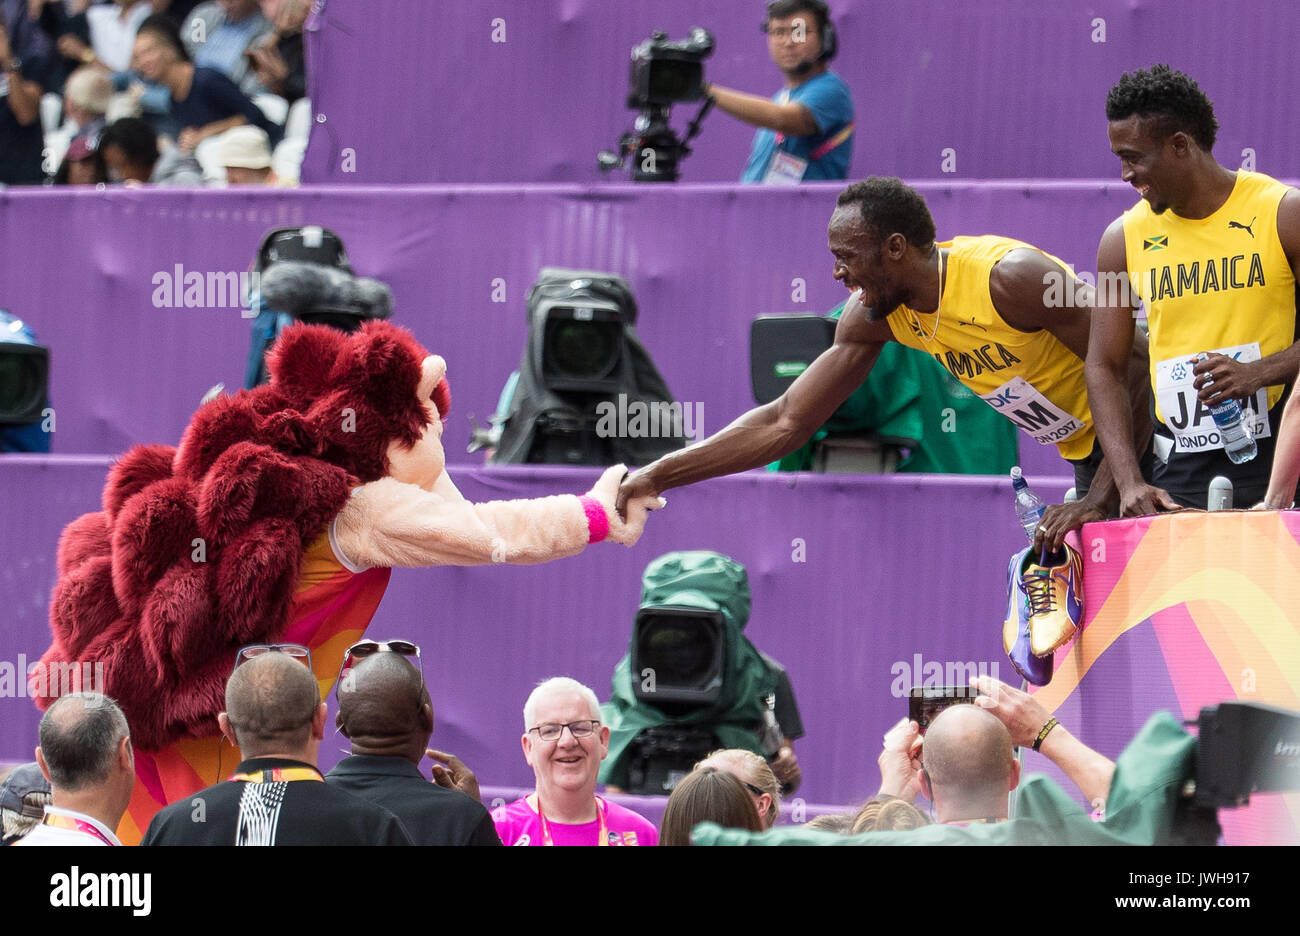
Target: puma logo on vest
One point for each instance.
(1243, 227)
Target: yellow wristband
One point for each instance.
(1042, 735)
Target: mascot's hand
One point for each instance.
(605, 492)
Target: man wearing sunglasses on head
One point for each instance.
(385, 711)
(564, 742)
(276, 796)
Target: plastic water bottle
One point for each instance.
(1029, 508)
(1235, 431)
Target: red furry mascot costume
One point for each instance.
(279, 518)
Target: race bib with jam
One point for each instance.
(1189, 420)
(1035, 415)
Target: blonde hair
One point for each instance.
(888, 814)
(750, 768)
(89, 89)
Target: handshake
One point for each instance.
(626, 500)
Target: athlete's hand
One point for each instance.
(1143, 499)
(1060, 519)
(634, 486)
(1220, 378)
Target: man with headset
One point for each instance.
(806, 130)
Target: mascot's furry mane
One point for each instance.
(198, 549)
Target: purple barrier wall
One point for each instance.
(888, 573)
(87, 270)
(460, 91)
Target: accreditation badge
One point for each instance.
(785, 169)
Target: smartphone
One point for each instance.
(924, 704)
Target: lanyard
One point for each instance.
(278, 774)
(77, 825)
(600, 814)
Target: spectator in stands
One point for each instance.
(24, 794)
(385, 711)
(707, 795)
(806, 130)
(86, 96)
(245, 152)
(277, 796)
(886, 814)
(753, 771)
(967, 767)
(24, 52)
(85, 753)
(277, 57)
(220, 34)
(82, 165)
(103, 35)
(203, 102)
(564, 742)
(130, 151)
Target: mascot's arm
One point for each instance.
(389, 523)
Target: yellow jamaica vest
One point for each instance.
(1220, 283)
(1030, 377)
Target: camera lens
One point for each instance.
(585, 350)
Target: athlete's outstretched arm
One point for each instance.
(1108, 368)
(777, 428)
(1286, 459)
(1219, 377)
(1020, 285)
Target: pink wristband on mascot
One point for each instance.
(597, 519)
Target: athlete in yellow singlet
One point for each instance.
(1007, 320)
(1212, 255)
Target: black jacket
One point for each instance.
(292, 812)
(432, 815)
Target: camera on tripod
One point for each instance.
(663, 73)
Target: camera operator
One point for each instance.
(806, 130)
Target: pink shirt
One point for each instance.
(518, 824)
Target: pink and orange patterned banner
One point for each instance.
(1184, 611)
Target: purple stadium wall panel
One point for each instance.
(531, 90)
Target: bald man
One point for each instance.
(968, 768)
(85, 754)
(276, 796)
(386, 712)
